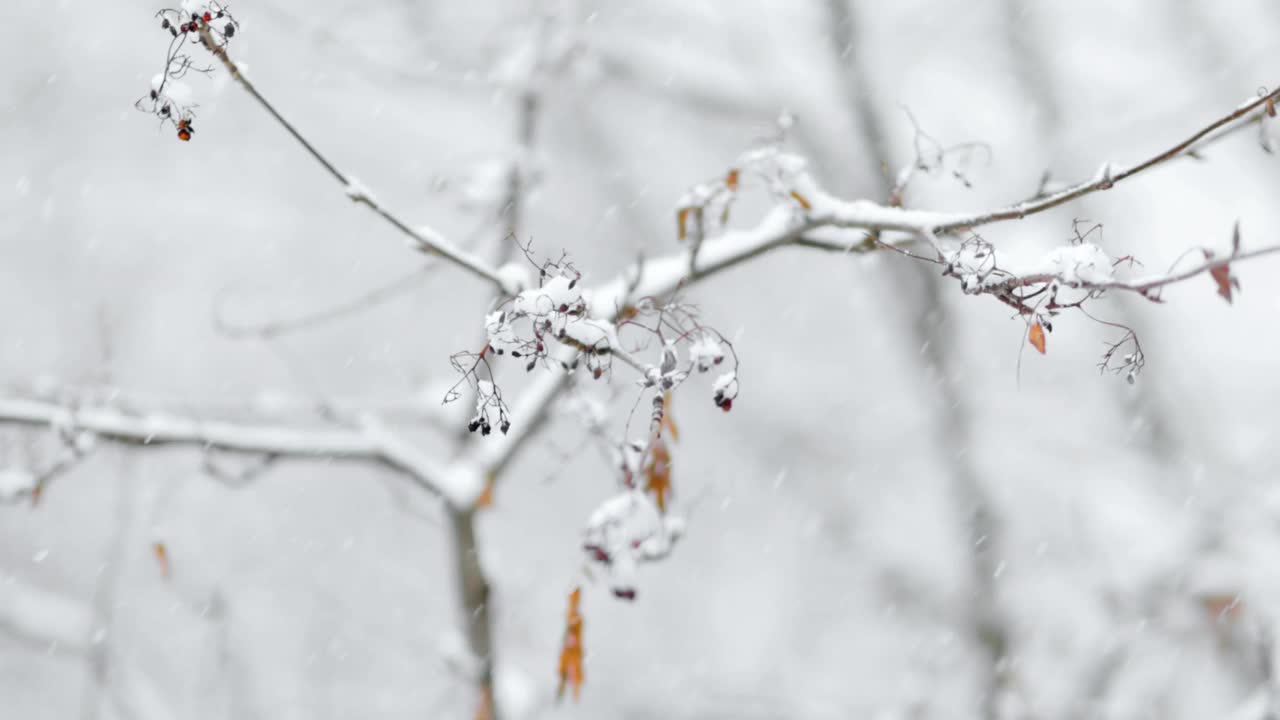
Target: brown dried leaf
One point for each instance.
(668, 422)
(1223, 278)
(731, 180)
(804, 203)
(162, 558)
(1223, 606)
(571, 651)
(657, 473)
(1036, 337)
(682, 223)
(484, 709)
(486, 498)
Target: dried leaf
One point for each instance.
(804, 203)
(1271, 107)
(657, 473)
(36, 492)
(668, 422)
(682, 223)
(486, 498)
(731, 180)
(1036, 337)
(571, 651)
(1223, 278)
(484, 709)
(1222, 606)
(162, 558)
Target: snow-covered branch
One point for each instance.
(370, 442)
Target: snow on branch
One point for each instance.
(371, 441)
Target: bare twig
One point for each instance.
(370, 443)
(430, 241)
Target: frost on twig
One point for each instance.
(552, 326)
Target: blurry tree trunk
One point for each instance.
(928, 331)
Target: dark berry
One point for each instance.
(229, 30)
(625, 593)
(597, 373)
(164, 24)
(505, 426)
(473, 425)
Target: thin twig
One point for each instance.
(432, 242)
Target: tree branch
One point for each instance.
(370, 443)
(427, 240)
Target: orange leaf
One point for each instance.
(36, 492)
(658, 473)
(669, 422)
(486, 498)
(682, 222)
(801, 199)
(484, 710)
(1036, 337)
(571, 651)
(162, 558)
(731, 180)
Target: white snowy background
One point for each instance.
(827, 571)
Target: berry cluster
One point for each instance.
(168, 99)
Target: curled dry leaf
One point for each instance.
(804, 202)
(1036, 337)
(571, 651)
(682, 223)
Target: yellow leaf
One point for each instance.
(804, 203)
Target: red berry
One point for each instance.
(727, 405)
(207, 17)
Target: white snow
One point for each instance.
(1083, 264)
(706, 352)
(358, 192)
(15, 481)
